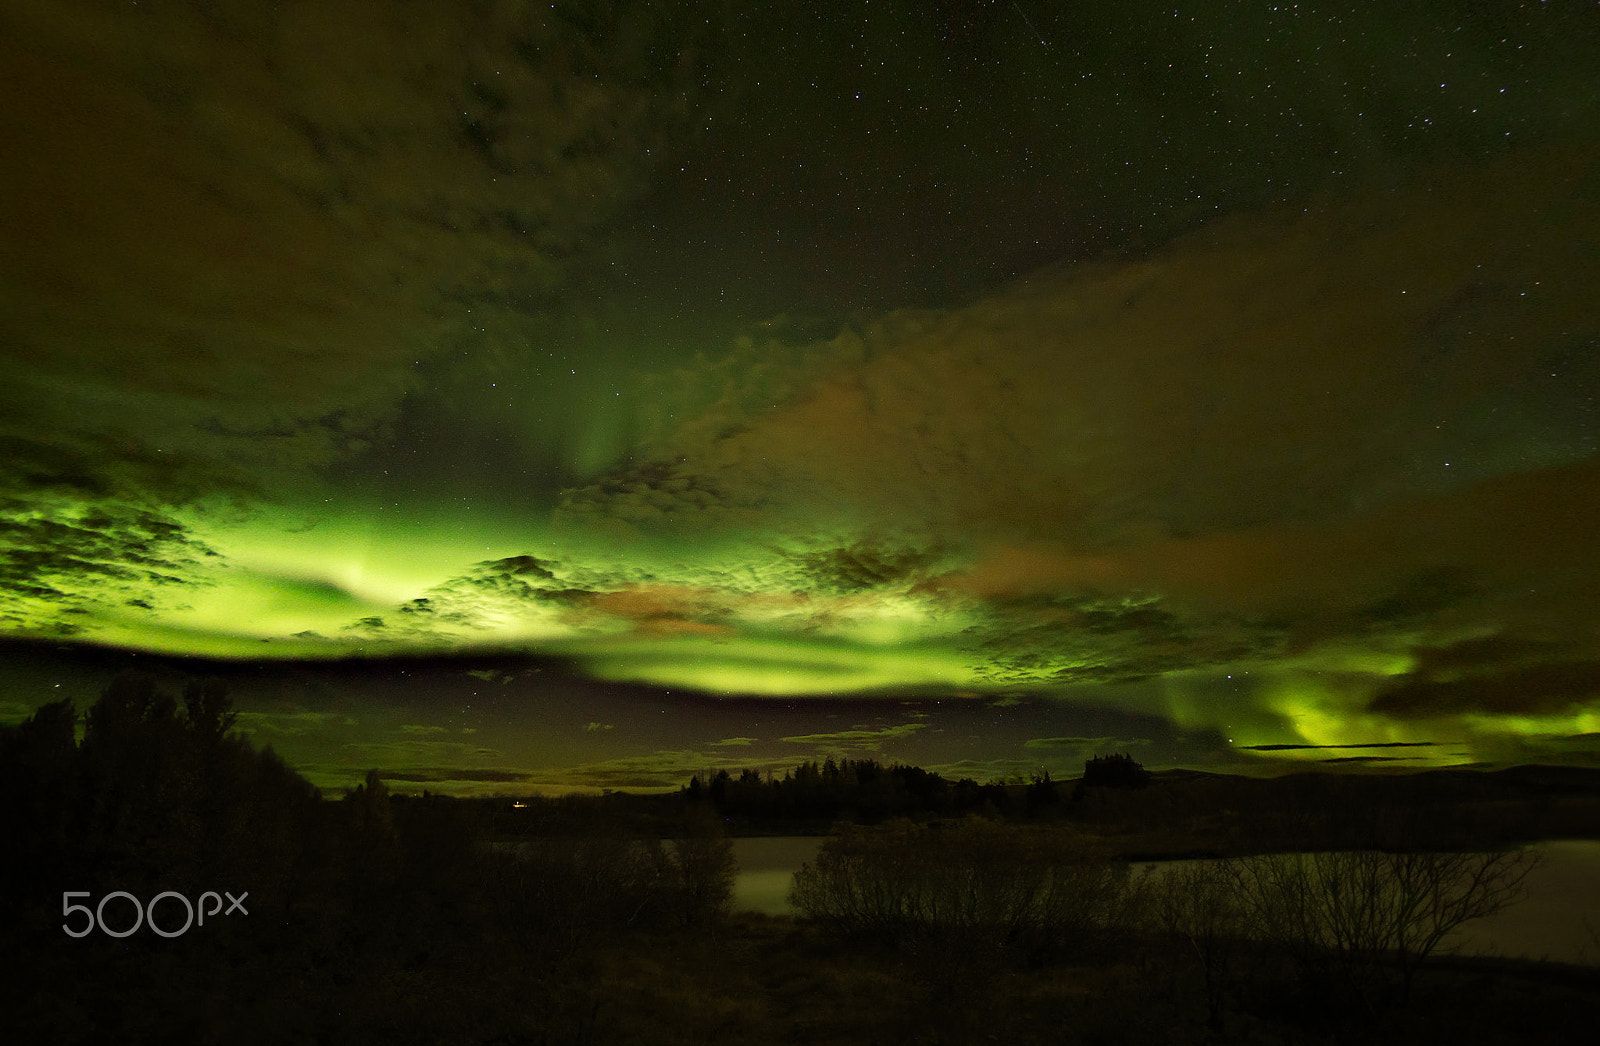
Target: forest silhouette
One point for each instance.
(943, 911)
(371, 918)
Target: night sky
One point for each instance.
(523, 397)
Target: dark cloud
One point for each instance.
(78, 559)
(1496, 674)
(1541, 689)
(1070, 636)
(418, 750)
(1421, 597)
(857, 739)
(1365, 759)
(1300, 748)
(522, 586)
(1482, 654)
(266, 725)
(1097, 743)
(1511, 555)
(864, 566)
(914, 353)
(516, 578)
(278, 212)
(1303, 376)
(647, 495)
(441, 774)
(366, 624)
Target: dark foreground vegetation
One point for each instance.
(1326, 941)
(1009, 914)
(369, 919)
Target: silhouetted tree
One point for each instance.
(718, 789)
(1343, 918)
(1041, 794)
(208, 709)
(1193, 903)
(701, 870)
(1111, 771)
(39, 792)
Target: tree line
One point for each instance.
(863, 789)
(368, 919)
(867, 791)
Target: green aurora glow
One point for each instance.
(1167, 409)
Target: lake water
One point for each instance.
(1558, 920)
(766, 868)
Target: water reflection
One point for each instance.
(1559, 920)
(766, 868)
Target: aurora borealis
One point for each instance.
(531, 396)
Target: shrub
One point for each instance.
(1344, 918)
(976, 882)
(699, 869)
(1192, 903)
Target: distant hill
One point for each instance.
(1194, 812)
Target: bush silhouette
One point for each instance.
(700, 869)
(976, 884)
(1193, 904)
(1346, 919)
